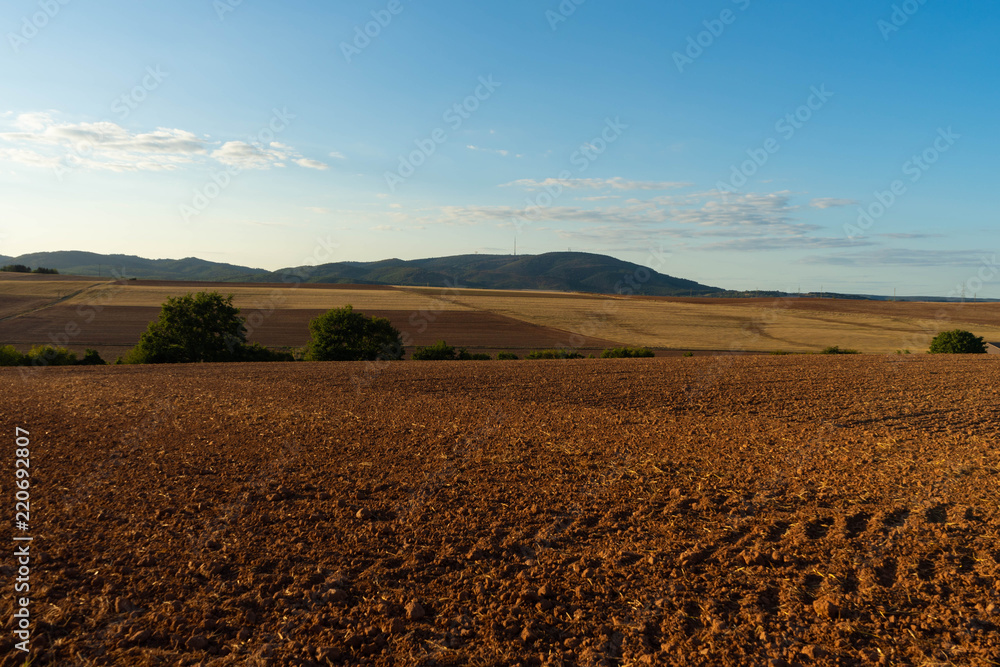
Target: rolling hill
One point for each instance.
(557, 271)
(80, 263)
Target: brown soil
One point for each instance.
(706, 511)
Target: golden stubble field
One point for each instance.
(112, 314)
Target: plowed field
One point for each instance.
(700, 511)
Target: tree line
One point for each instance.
(207, 327)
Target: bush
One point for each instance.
(439, 351)
(91, 358)
(47, 355)
(689, 354)
(257, 352)
(465, 355)
(202, 327)
(958, 342)
(506, 356)
(780, 353)
(553, 354)
(344, 335)
(9, 356)
(833, 349)
(51, 272)
(627, 353)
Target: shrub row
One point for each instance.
(21, 268)
(47, 355)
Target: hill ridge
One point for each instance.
(557, 271)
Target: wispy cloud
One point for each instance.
(495, 151)
(901, 235)
(901, 257)
(830, 202)
(784, 243)
(337, 155)
(616, 183)
(39, 140)
(701, 214)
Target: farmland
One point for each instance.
(708, 511)
(109, 316)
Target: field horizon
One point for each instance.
(109, 315)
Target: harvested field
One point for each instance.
(705, 511)
(34, 308)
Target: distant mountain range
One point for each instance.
(557, 271)
(554, 271)
(79, 263)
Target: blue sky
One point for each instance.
(740, 143)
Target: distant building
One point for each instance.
(992, 348)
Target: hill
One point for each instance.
(555, 271)
(80, 263)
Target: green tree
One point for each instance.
(91, 358)
(958, 341)
(16, 268)
(9, 356)
(202, 327)
(48, 355)
(344, 335)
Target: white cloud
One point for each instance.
(616, 183)
(337, 155)
(246, 156)
(311, 164)
(41, 140)
(318, 209)
(830, 202)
